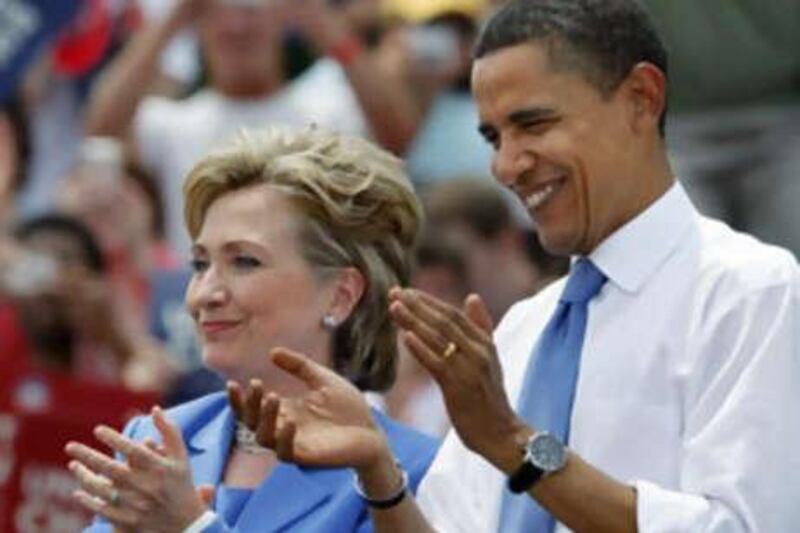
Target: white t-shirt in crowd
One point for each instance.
(688, 385)
(172, 135)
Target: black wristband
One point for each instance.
(524, 478)
(386, 503)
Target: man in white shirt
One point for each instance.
(684, 410)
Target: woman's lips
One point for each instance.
(212, 327)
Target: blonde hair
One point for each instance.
(357, 209)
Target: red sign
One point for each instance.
(39, 413)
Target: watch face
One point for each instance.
(546, 452)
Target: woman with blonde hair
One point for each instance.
(297, 239)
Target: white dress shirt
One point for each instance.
(688, 385)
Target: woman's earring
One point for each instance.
(329, 322)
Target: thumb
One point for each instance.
(170, 435)
(303, 368)
(206, 494)
(476, 311)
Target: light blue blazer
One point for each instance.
(292, 498)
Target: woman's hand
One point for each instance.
(330, 425)
(152, 491)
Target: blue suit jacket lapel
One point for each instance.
(289, 493)
(209, 448)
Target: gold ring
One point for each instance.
(114, 498)
(450, 350)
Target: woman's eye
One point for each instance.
(198, 265)
(246, 262)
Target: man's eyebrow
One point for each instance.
(534, 114)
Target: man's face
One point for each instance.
(563, 147)
(236, 37)
(47, 310)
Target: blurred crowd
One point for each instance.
(97, 136)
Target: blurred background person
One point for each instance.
(75, 41)
(504, 262)
(242, 50)
(66, 313)
(432, 53)
(122, 206)
(297, 239)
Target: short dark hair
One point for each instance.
(600, 39)
(69, 227)
(14, 110)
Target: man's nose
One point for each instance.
(510, 162)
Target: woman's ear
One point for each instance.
(348, 288)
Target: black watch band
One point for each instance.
(544, 454)
(524, 478)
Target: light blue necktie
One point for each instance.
(545, 401)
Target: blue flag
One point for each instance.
(26, 25)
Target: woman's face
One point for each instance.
(252, 290)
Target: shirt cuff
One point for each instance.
(661, 511)
(205, 520)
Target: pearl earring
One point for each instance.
(329, 322)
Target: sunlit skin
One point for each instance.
(252, 290)
(551, 129)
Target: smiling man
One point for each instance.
(652, 398)
(653, 389)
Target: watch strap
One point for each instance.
(525, 477)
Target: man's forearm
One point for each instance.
(579, 495)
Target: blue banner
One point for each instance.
(26, 25)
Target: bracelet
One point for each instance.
(202, 522)
(347, 50)
(386, 503)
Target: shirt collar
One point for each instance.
(630, 255)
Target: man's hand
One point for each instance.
(456, 347)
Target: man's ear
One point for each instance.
(646, 89)
(348, 288)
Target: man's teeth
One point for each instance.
(541, 196)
